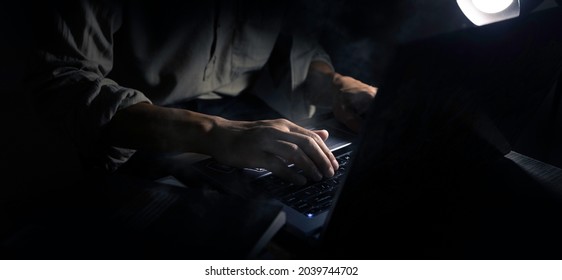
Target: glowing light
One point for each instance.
(492, 6)
(310, 215)
(481, 12)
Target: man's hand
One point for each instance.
(269, 144)
(351, 100)
(348, 97)
(273, 145)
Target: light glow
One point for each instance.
(481, 12)
(492, 6)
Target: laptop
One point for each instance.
(455, 98)
(449, 106)
(306, 207)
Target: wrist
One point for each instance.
(155, 128)
(209, 127)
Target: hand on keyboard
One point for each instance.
(272, 144)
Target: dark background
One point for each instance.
(360, 35)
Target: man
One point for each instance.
(120, 77)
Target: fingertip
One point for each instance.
(331, 172)
(324, 134)
(335, 164)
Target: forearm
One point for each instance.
(348, 98)
(320, 87)
(273, 143)
(145, 126)
(322, 78)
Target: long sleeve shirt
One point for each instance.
(94, 58)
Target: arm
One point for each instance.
(348, 97)
(72, 90)
(269, 144)
(67, 75)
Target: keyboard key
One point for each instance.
(311, 199)
(290, 200)
(303, 207)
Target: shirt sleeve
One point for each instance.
(72, 55)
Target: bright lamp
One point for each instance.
(481, 12)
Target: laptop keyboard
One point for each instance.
(311, 199)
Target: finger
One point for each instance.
(322, 133)
(316, 137)
(294, 154)
(324, 159)
(314, 148)
(280, 169)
